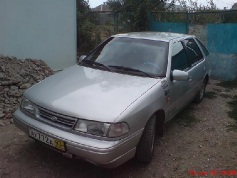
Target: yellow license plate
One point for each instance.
(58, 144)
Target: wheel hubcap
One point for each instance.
(201, 93)
(152, 143)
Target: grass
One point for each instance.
(210, 95)
(224, 95)
(186, 117)
(217, 89)
(233, 106)
(228, 84)
(233, 113)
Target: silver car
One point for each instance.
(109, 108)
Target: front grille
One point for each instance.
(59, 120)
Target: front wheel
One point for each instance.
(145, 148)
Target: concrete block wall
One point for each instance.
(39, 29)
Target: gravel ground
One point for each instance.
(203, 145)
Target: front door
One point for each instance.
(178, 89)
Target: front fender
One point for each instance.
(139, 112)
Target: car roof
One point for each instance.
(157, 36)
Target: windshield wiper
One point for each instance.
(95, 64)
(128, 69)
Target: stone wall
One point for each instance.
(15, 77)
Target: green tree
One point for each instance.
(202, 14)
(134, 13)
(87, 38)
(197, 13)
(230, 16)
(193, 6)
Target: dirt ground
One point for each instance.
(204, 145)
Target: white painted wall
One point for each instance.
(39, 29)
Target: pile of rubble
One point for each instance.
(15, 77)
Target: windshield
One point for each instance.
(147, 56)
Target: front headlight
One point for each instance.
(91, 127)
(27, 106)
(102, 129)
(118, 129)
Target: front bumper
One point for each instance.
(99, 152)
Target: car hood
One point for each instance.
(88, 93)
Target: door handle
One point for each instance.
(190, 79)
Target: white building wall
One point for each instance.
(39, 29)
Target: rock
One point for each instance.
(25, 86)
(32, 81)
(1, 90)
(2, 76)
(14, 91)
(13, 88)
(1, 114)
(26, 80)
(7, 83)
(2, 124)
(15, 77)
(6, 101)
(2, 69)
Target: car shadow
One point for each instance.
(55, 163)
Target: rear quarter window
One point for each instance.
(204, 49)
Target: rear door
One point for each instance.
(197, 68)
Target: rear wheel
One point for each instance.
(200, 94)
(145, 148)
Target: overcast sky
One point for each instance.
(220, 3)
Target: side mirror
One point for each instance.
(180, 75)
(81, 58)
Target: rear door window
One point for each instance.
(193, 52)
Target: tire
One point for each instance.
(200, 94)
(145, 148)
